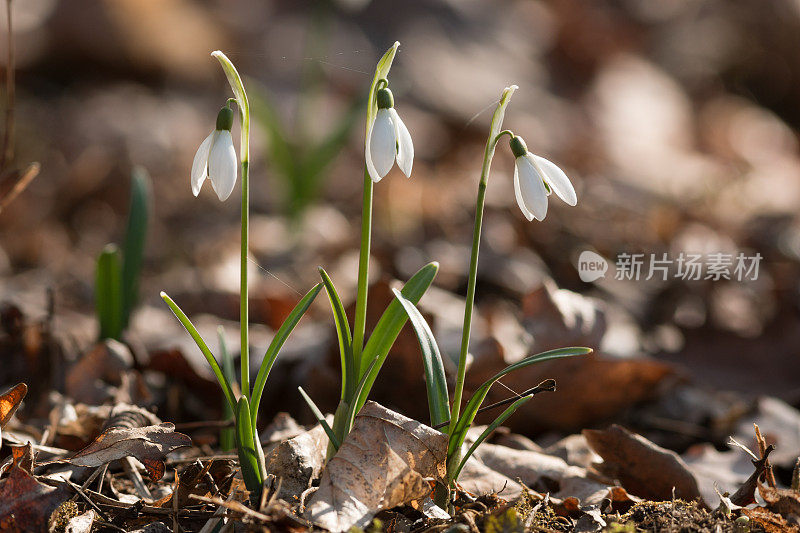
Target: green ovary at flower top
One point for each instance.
(388, 139)
(216, 158)
(534, 178)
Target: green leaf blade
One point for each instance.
(488, 431)
(201, 344)
(281, 336)
(227, 436)
(246, 448)
(388, 328)
(471, 410)
(435, 379)
(349, 378)
(135, 236)
(320, 418)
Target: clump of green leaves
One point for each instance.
(117, 272)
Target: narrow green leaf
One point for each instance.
(108, 295)
(486, 432)
(135, 235)
(320, 417)
(349, 377)
(344, 426)
(227, 436)
(223, 383)
(277, 343)
(435, 379)
(388, 328)
(246, 447)
(468, 416)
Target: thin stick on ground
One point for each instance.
(22, 183)
(8, 138)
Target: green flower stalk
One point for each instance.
(216, 160)
(534, 177)
(386, 140)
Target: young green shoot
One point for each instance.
(117, 274)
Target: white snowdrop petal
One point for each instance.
(531, 186)
(557, 180)
(405, 146)
(222, 165)
(200, 164)
(518, 194)
(383, 143)
(373, 174)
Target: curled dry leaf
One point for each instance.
(149, 444)
(381, 464)
(23, 457)
(9, 402)
(643, 468)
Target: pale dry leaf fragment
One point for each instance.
(642, 467)
(298, 461)
(478, 479)
(149, 444)
(82, 523)
(381, 464)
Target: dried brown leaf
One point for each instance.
(149, 444)
(23, 457)
(644, 468)
(9, 402)
(25, 503)
(381, 464)
(785, 502)
(745, 495)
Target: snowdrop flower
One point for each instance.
(216, 158)
(387, 139)
(535, 178)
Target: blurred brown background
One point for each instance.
(675, 119)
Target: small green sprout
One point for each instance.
(117, 273)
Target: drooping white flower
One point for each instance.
(534, 179)
(387, 140)
(216, 158)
